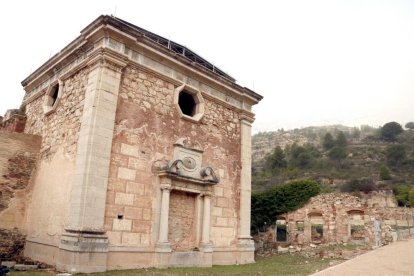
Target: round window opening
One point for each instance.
(187, 103)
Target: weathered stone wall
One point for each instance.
(147, 126)
(49, 201)
(17, 161)
(348, 218)
(60, 129)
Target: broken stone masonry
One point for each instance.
(139, 155)
(371, 219)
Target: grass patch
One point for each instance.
(275, 265)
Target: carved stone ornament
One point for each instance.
(187, 163)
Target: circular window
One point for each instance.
(52, 97)
(189, 102)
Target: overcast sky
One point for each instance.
(315, 62)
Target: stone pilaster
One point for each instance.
(163, 245)
(205, 239)
(245, 241)
(199, 217)
(85, 232)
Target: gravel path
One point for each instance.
(391, 260)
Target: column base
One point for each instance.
(163, 247)
(246, 249)
(245, 243)
(84, 241)
(83, 251)
(206, 247)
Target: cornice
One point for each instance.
(123, 48)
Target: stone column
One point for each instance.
(199, 217)
(245, 241)
(205, 238)
(163, 244)
(85, 232)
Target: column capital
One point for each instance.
(206, 195)
(247, 118)
(166, 187)
(105, 58)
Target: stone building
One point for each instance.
(145, 157)
(371, 219)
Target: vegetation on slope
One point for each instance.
(340, 158)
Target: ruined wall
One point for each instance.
(348, 218)
(15, 123)
(147, 126)
(49, 201)
(18, 157)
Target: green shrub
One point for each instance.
(401, 193)
(385, 173)
(266, 206)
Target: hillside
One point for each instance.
(358, 163)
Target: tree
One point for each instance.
(277, 159)
(356, 133)
(302, 156)
(385, 173)
(341, 139)
(390, 131)
(395, 154)
(409, 125)
(337, 154)
(328, 141)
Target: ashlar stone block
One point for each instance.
(122, 225)
(127, 174)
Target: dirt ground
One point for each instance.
(391, 260)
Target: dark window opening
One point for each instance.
(54, 94)
(187, 103)
(357, 232)
(281, 232)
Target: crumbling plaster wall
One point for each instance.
(18, 157)
(49, 201)
(147, 126)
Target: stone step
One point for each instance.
(23, 267)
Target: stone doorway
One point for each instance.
(281, 230)
(182, 221)
(356, 225)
